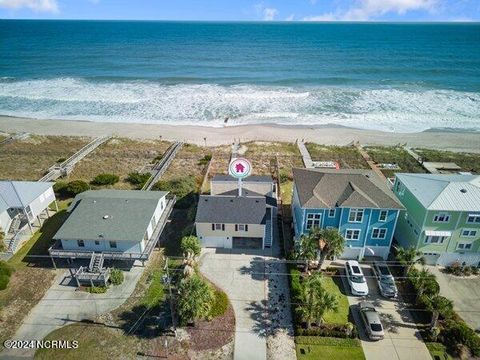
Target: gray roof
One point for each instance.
(231, 209)
(116, 215)
(248, 193)
(19, 194)
(451, 192)
(253, 178)
(343, 188)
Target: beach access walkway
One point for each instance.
(307, 159)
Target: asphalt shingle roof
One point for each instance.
(343, 188)
(253, 178)
(231, 209)
(248, 193)
(111, 215)
(451, 192)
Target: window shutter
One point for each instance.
(213, 227)
(236, 227)
(223, 227)
(246, 227)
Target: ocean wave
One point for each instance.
(405, 109)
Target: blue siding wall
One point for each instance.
(389, 225)
(344, 225)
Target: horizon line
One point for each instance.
(262, 21)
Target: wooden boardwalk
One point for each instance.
(162, 166)
(67, 166)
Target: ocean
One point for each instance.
(390, 77)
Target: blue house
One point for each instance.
(356, 202)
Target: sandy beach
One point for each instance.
(211, 136)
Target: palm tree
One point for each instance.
(196, 298)
(439, 305)
(332, 244)
(424, 282)
(307, 249)
(314, 300)
(190, 246)
(408, 257)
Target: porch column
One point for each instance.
(39, 220)
(28, 222)
(48, 213)
(53, 262)
(56, 206)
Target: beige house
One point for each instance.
(226, 220)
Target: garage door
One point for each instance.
(351, 253)
(431, 258)
(213, 241)
(247, 243)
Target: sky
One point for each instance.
(245, 10)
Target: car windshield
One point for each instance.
(387, 281)
(376, 327)
(358, 279)
(383, 270)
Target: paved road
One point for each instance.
(63, 305)
(464, 292)
(256, 296)
(402, 339)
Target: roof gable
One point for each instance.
(19, 194)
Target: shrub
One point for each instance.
(5, 273)
(458, 332)
(205, 160)
(61, 160)
(105, 179)
(116, 277)
(329, 330)
(184, 188)
(60, 188)
(76, 187)
(191, 245)
(137, 179)
(295, 284)
(220, 304)
(97, 289)
(195, 299)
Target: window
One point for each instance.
(161, 205)
(469, 233)
(154, 222)
(241, 227)
(218, 227)
(464, 246)
(113, 244)
(379, 233)
(473, 219)
(443, 218)
(97, 242)
(435, 239)
(313, 220)
(81, 243)
(383, 215)
(351, 234)
(331, 213)
(355, 215)
(399, 188)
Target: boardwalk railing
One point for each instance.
(160, 167)
(67, 166)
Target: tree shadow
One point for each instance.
(256, 269)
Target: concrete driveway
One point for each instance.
(464, 292)
(402, 339)
(63, 304)
(259, 296)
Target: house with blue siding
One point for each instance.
(356, 202)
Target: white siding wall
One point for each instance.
(5, 221)
(41, 203)
(122, 246)
(158, 213)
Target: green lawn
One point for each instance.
(347, 156)
(438, 351)
(341, 316)
(394, 155)
(310, 348)
(286, 191)
(467, 161)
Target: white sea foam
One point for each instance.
(388, 109)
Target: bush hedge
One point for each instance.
(70, 189)
(116, 277)
(205, 160)
(458, 332)
(5, 273)
(97, 289)
(185, 188)
(220, 304)
(105, 179)
(329, 330)
(137, 179)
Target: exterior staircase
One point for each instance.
(268, 229)
(96, 263)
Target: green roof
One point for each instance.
(110, 215)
